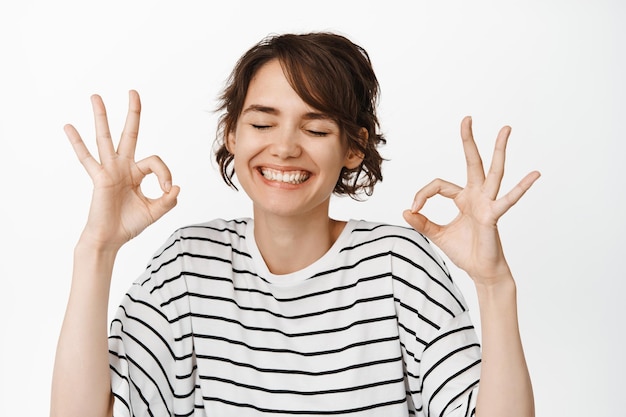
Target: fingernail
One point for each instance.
(414, 207)
(167, 186)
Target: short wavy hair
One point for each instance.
(331, 74)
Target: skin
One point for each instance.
(278, 130)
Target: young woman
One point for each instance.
(291, 312)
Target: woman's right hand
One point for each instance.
(119, 210)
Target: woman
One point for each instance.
(292, 312)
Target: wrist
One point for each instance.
(502, 286)
(93, 261)
(90, 246)
(496, 276)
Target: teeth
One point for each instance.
(291, 177)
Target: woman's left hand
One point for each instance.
(471, 240)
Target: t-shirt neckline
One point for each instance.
(323, 263)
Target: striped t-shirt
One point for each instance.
(375, 327)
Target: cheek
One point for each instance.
(245, 151)
(335, 158)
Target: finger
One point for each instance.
(507, 201)
(422, 224)
(103, 135)
(496, 170)
(475, 170)
(154, 164)
(165, 203)
(128, 142)
(435, 187)
(81, 151)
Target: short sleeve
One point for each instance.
(141, 357)
(150, 345)
(440, 347)
(450, 369)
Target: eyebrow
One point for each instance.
(274, 111)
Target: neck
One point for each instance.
(289, 244)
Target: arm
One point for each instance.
(472, 242)
(81, 385)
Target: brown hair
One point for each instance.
(329, 73)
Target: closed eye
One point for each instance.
(317, 133)
(261, 127)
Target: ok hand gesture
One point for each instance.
(471, 240)
(119, 211)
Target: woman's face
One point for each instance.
(288, 156)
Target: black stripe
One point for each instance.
(354, 265)
(273, 330)
(417, 313)
(412, 333)
(452, 377)
(115, 394)
(314, 294)
(146, 325)
(204, 227)
(302, 393)
(298, 372)
(421, 268)
(145, 402)
(194, 369)
(411, 241)
(471, 386)
(441, 336)
(306, 412)
(201, 239)
(268, 294)
(446, 357)
(278, 315)
(424, 293)
(469, 404)
(295, 352)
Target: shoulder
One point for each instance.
(383, 229)
(219, 229)
(215, 239)
(406, 248)
(214, 232)
(191, 250)
(394, 238)
(416, 265)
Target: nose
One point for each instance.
(286, 143)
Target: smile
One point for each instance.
(290, 177)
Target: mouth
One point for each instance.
(288, 177)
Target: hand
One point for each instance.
(119, 211)
(471, 240)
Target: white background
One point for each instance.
(554, 70)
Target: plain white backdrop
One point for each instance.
(553, 70)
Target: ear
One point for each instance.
(230, 142)
(354, 158)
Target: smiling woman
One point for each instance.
(292, 311)
(287, 144)
(343, 90)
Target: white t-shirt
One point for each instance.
(375, 327)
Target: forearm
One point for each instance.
(81, 384)
(505, 387)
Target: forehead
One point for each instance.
(269, 80)
(270, 92)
